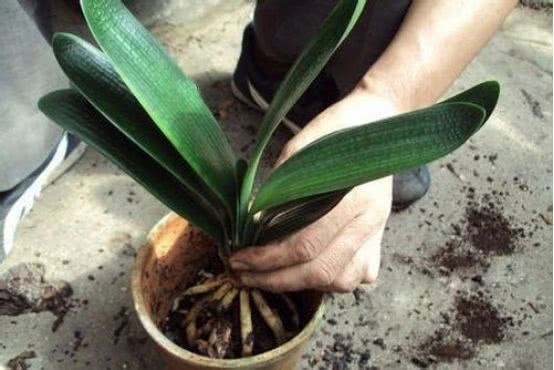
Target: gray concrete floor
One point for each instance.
(84, 226)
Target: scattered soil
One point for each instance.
(533, 104)
(537, 5)
(19, 362)
(443, 346)
(360, 296)
(123, 318)
(454, 256)
(478, 320)
(23, 289)
(484, 232)
(264, 340)
(340, 355)
(489, 231)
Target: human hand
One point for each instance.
(342, 249)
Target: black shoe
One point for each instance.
(251, 86)
(410, 186)
(18, 201)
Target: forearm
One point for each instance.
(436, 41)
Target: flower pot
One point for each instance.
(169, 261)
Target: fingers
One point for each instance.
(362, 269)
(305, 245)
(323, 270)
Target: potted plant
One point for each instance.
(133, 104)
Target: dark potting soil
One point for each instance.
(19, 362)
(454, 256)
(23, 289)
(443, 346)
(175, 329)
(484, 232)
(476, 321)
(489, 231)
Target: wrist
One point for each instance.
(379, 88)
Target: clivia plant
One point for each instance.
(134, 105)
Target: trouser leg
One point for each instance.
(28, 70)
(284, 27)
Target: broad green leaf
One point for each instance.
(93, 75)
(484, 94)
(306, 68)
(73, 112)
(360, 154)
(171, 99)
(288, 218)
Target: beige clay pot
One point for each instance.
(173, 254)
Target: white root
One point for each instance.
(206, 328)
(219, 339)
(220, 293)
(195, 310)
(190, 320)
(247, 335)
(228, 300)
(205, 287)
(272, 320)
(295, 317)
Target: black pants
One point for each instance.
(282, 28)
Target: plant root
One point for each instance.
(247, 335)
(200, 305)
(271, 319)
(228, 299)
(210, 332)
(295, 317)
(190, 320)
(206, 328)
(206, 286)
(218, 342)
(220, 293)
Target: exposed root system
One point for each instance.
(208, 321)
(270, 318)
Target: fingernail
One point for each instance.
(239, 265)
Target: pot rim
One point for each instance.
(164, 342)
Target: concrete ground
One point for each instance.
(466, 274)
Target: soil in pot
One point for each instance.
(217, 330)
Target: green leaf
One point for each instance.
(484, 94)
(171, 99)
(288, 218)
(73, 112)
(360, 154)
(93, 75)
(306, 68)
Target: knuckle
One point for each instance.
(272, 286)
(321, 275)
(306, 249)
(349, 279)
